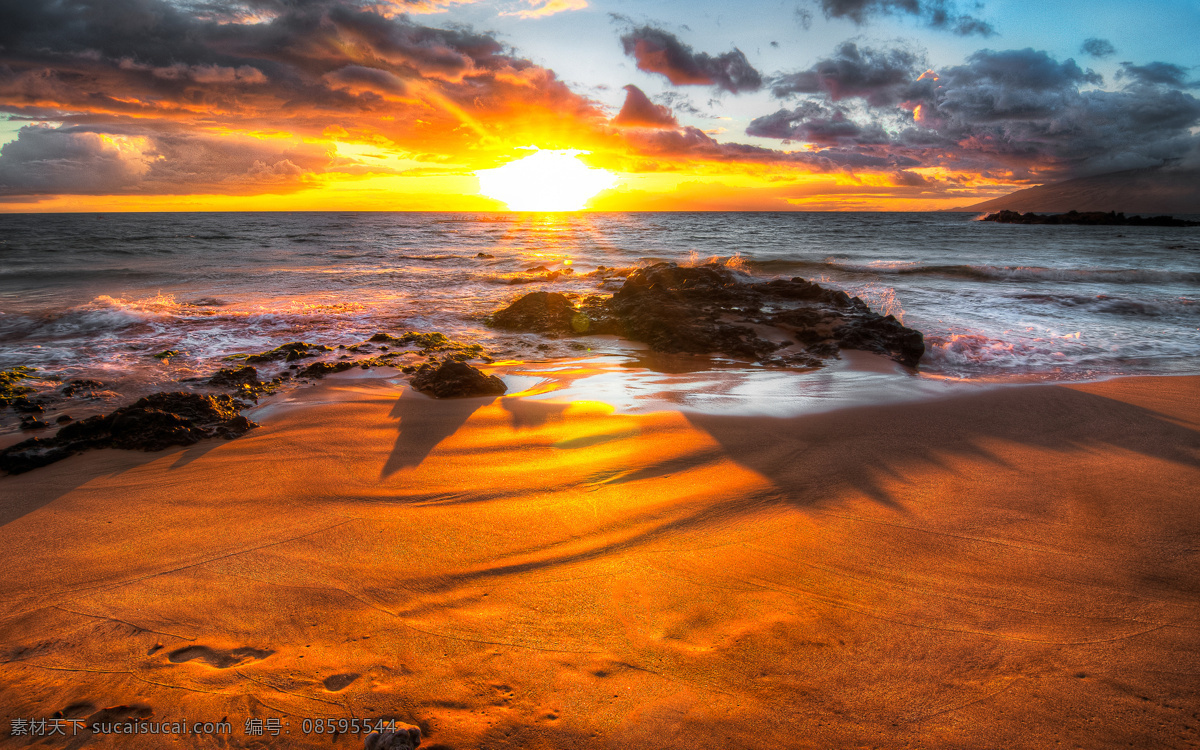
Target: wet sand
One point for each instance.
(1016, 567)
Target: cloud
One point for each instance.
(1156, 73)
(639, 112)
(543, 8)
(812, 122)
(1023, 112)
(357, 78)
(659, 51)
(937, 14)
(878, 76)
(689, 143)
(91, 161)
(1098, 48)
(298, 67)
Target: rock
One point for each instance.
(289, 352)
(426, 343)
(79, 385)
(454, 380)
(26, 405)
(33, 423)
(9, 388)
(1091, 218)
(683, 309)
(321, 369)
(63, 418)
(150, 424)
(711, 309)
(230, 377)
(882, 335)
(537, 312)
(484, 256)
(397, 739)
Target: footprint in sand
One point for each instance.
(75, 711)
(120, 714)
(338, 682)
(218, 659)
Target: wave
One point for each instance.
(1109, 305)
(973, 352)
(115, 316)
(986, 272)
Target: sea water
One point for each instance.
(97, 295)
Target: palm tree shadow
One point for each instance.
(805, 458)
(528, 414)
(21, 498)
(890, 441)
(425, 422)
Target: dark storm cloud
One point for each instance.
(1027, 68)
(72, 54)
(881, 77)
(1025, 109)
(292, 66)
(659, 51)
(82, 160)
(638, 111)
(1019, 111)
(1156, 73)
(814, 123)
(692, 143)
(1098, 48)
(937, 14)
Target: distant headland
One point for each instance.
(1093, 218)
(1158, 190)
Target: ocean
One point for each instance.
(97, 295)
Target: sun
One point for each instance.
(545, 181)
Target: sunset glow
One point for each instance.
(432, 105)
(545, 181)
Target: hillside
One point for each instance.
(1136, 191)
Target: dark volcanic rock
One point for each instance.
(1093, 218)
(454, 379)
(709, 309)
(150, 424)
(26, 405)
(400, 738)
(683, 309)
(80, 386)
(321, 369)
(537, 312)
(9, 384)
(289, 352)
(230, 377)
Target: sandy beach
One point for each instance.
(1013, 567)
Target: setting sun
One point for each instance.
(545, 181)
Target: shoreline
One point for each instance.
(995, 566)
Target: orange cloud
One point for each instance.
(355, 103)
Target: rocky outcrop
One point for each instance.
(321, 369)
(289, 352)
(1092, 218)
(150, 424)
(709, 309)
(236, 378)
(81, 387)
(537, 312)
(454, 379)
(10, 387)
(400, 738)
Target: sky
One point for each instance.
(145, 105)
